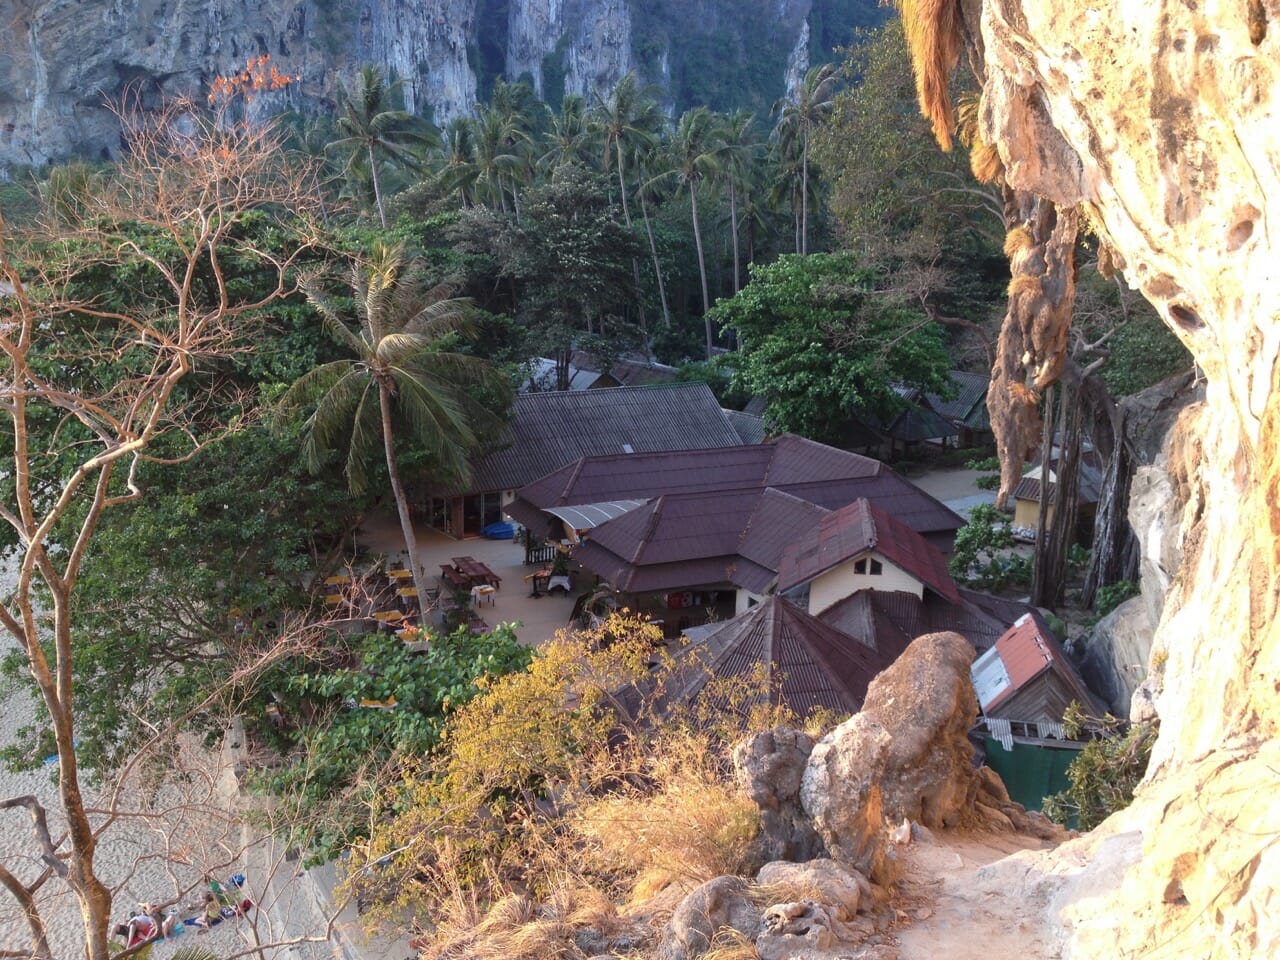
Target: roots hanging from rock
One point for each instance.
(934, 30)
(1033, 338)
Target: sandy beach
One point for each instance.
(158, 848)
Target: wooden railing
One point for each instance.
(539, 554)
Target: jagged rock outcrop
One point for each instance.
(65, 59)
(906, 754)
(1159, 120)
(769, 767)
(1116, 654)
(926, 700)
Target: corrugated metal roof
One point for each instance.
(854, 530)
(970, 391)
(916, 424)
(549, 430)
(802, 662)
(1089, 483)
(1027, 650)
(749, 428)
(990, 679)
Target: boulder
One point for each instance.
(717, 905)
(841, 793)
(1114, 656)
(798, 929)
(926, 699)
(769, 767)
(844, 892)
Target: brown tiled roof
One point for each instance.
(855, 529)
(698, 539)
(891, 619)
(551, 429)
(810, 471)
(803, 662)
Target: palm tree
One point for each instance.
(697, 154)
(372, 128)
(627, 123)
(742, 147)
(401, 372)
(799, 118)
(458, 169)
(498, 157)
(570, 138)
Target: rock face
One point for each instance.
(1160, 120)
(64, 59)
(905, 755)
(769, 767)
(926, 699)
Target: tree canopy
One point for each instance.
(821, 343)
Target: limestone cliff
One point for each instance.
(62, 60)
(1159, 121)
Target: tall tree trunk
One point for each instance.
(657, 266)
(402, 503)
(1053, 546)
(733, 224)
(635, 261)
(377, 188)
(804, 196)
(702, 265)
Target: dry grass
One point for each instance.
(688, 822)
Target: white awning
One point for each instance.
(584, 516)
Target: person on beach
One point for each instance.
(212, 912)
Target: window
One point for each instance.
(868, 565)
(876, 568)
(860, 566)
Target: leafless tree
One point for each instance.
(90, 390)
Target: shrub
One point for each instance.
(1105, 773)
(1114, 594)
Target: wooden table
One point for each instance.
(482, 591)
(336, 580)
(395, 575)
(476, 571)
(388, 616)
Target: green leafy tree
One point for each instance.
(981, 547)
(376, 703)
(402, 372)
(373, 129)
(570, 260)
(1104, 774)
(819, 342)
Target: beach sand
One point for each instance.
(172, 834)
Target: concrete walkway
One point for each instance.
(539, 618)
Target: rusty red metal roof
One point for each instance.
(1027, 650)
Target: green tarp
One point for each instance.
(1030, 773)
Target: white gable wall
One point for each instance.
(843, 581)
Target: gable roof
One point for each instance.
(1026, 651)
(970, 391)
(802, 662)
(750, 428)
(856, 529)
(551, 429)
